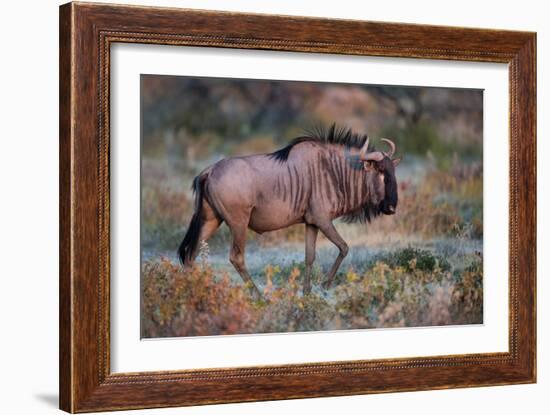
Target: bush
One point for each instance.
(396, 296)
(194, 303)
(467, 301)
(413, 258)
(408, 289)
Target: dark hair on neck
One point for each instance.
(321, 134)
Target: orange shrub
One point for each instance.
(193, 303)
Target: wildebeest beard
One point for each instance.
(364, 213)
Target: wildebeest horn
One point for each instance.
(374, 156)
(364, 150)
(366, 156)
(392, 146)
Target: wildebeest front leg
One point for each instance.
(311, 239)
(236, 256)
(332, 234)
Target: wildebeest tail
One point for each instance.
(188, 246)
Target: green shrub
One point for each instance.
(413, 258)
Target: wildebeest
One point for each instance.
(315, 179)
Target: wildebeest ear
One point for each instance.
(397, 160)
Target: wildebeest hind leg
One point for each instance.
(211, 222)
(332, 234)
(237, 257)
(311, 239)
(208, 229)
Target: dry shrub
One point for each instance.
(418, 214)
(409, 296)
(192, 303)
(286, 310)
(165, 205)
(439, 203)
(467, 296)
(389, 293)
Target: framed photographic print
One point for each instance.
(260, 207)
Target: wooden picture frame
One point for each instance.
(86, 33)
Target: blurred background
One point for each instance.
(422, 266)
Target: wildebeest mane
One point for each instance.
(321, 134)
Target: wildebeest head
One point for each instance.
(382, 165)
